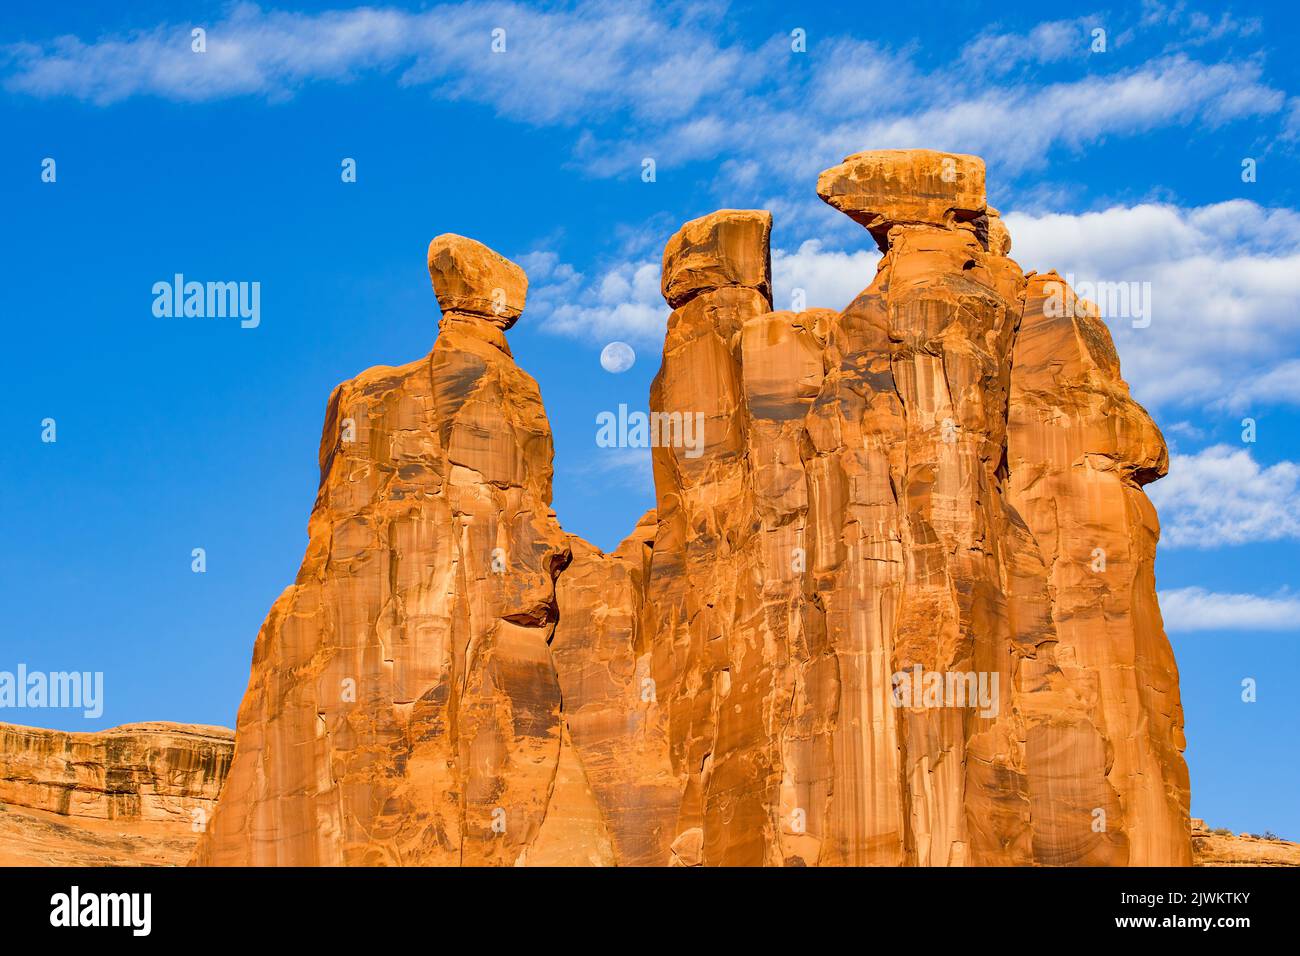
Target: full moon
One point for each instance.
(617, 357)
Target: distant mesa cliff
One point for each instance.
(1223, 848)
(136, 795)
(937, 490)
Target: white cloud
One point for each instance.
(1224, 331)
(1224, 279)
(623, 302)
(1196, 609)
(829, 279)
(1223, 496)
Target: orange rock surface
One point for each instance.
(895, 604)
(139, 794)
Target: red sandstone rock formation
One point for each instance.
(903, 491)
(895, 604)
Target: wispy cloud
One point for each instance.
(1194, 28)
(621, 302)
(1173, 91)
(630, 468)
(1000, 52)
(250, 52)
(1223, 496)
(672, 83)
(1181, 429)
(1196, 609)
(556, 66)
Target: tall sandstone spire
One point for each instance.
(403, 707)
(916, 488)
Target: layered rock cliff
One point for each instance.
(866, 623)
(139, 794)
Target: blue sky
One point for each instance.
(1115, 165)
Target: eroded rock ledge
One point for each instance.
(918, 484)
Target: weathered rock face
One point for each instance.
(1080, 450)
(910, 534)
(603, 661)
(861, 626)
(887, 187)
(718, 592)
(136, 795)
